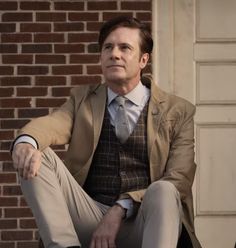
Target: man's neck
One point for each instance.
(122, 88)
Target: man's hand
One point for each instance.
(105, 234)
(26, 160)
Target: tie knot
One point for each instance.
(120, 100)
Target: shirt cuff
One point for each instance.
(26, 139)
(128, 205)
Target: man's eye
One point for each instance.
(124, 47)
(106, 47)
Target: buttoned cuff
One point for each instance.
(128, 205)
(26, 139)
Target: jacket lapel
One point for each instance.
(98, 104)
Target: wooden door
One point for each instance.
(195, 57)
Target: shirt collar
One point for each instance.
(135, 96)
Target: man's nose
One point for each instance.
(115, 53)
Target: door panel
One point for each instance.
(196, 59)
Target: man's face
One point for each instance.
(121, 58)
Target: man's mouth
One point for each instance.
(111, 66)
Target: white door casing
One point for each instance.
(195, 58)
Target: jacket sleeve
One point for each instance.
(180, 167)
(55, 128)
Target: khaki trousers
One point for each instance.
(67, 216)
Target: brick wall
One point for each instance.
(46, 48)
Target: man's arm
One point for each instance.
(108, 228)
(40, 133)
(180, 168)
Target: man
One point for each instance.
(128, 182)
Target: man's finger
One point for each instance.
(35, 164)
(111, 244)
(105, 243)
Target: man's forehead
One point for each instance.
(123, 34)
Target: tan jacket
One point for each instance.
(170, 137)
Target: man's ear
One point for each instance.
(144, 59)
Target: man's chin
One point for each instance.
(116, 80)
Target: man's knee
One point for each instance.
(161, 193)
(49, 158)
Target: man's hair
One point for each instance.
(146, 42)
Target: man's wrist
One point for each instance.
(126, 204)
(123, 209)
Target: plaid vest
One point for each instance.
(118, 168)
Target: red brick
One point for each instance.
(8, 224)
(49, 38)
(13, 124)
(6, 92)
(94, 26)
(15, 102)
(102, 5)
(67, 69)
(68, 26)
(28, 224)
(17, 212)
(50, 102)
(83, 16)
(32, 113)
(50, 80)
(17, 235)
(77, 80)
(35, 27)
(16, 38)
(8, 201)
(8, 48)
(7, 166)
(6, 5)
(69, 5)
(32, 70)
(7, 178)
(84, 37)
(5, 146)
(17, 17)
(39, 48)
(139, 5)
(6, 114)
(50, 16)
(7, 28)
(144, 16)
(7, 244)
(23, 202)
(14, 81)
(109, 15)
(94, 69)
(84, 59)
(6, 135)
(35, 5)
(61, 91)
(6, 70)
(93, 48)
(17, 59)
(29, 244)
(69, 48)
(5, 156)
(50, 59)
(31, 91)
